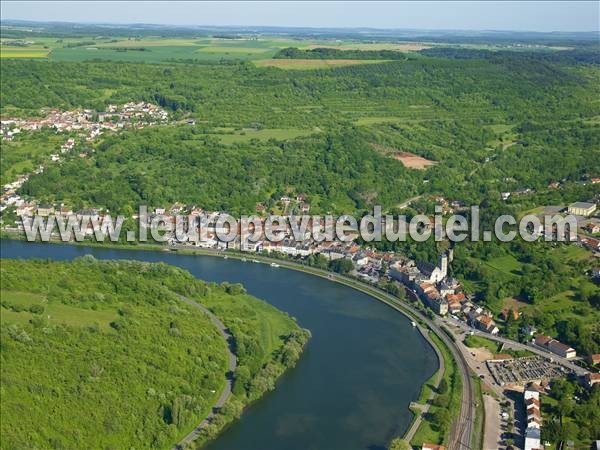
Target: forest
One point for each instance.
(334, 53)
(114, 357)
(484, 118)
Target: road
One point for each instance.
(405, 204)
(226, 393)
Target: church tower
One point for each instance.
(443, 264)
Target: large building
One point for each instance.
(556, 347)
(582, 208)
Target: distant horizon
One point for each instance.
(476, 16)
(240, 26)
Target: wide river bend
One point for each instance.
(352, 387)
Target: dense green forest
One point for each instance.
(492, 125)
(114, 357)
(112, 354)
(586, 54)
(334, 53)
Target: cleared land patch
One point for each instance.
(409, 160)
(17, 308)
(413, 161)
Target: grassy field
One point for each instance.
(565, 304)
(508, 265)
(373, 46)
(481, 342)
(26, 152)
(163, 50)
(55, 313)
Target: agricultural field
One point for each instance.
(23, 52)
(164, 50)
(150, 50)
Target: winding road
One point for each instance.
(226, 393)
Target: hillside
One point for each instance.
(260, 133)
(113, 356)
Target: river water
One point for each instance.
(352, 387)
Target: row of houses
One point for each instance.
(534, 420)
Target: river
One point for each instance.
(352, 387)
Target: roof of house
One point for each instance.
(432, 447)
(542, 340)
(559, 345)
(486, 320)
(584, 205)
(456, 297)
(595, 358)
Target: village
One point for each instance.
(85, 125)
(432, 284)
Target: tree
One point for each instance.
(443, 386)
(399, 444)
(441, 419)
(342, 265)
